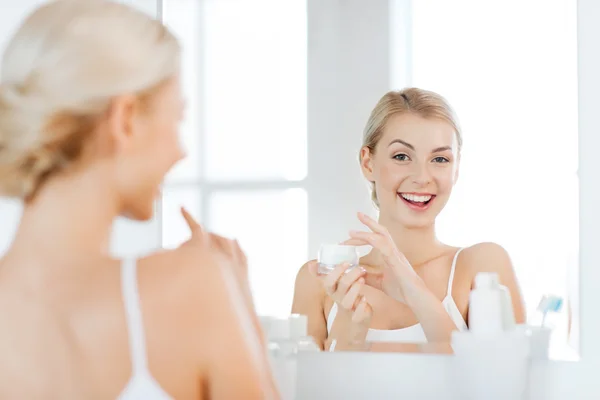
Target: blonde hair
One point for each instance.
(59, 73)
(420, 102)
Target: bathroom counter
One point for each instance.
(411, 376)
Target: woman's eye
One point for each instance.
(440, 160)
(401, 157)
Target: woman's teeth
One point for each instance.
(416, 198)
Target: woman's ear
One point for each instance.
(121, 121)
(366, 163)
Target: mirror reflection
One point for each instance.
(489, 132)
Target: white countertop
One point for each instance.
(411, 376)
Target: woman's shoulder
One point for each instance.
(304, 271)
(185, 284)
(186, 295)
(190, 269)
(306, 279)
(485, 257)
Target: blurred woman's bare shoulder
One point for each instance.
(186, 269)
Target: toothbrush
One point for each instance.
(549, 304)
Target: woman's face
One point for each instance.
(414, 168)
(148, 146)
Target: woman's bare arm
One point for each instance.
(238, 366)
(491, 257)
(309, 300)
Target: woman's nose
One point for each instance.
(421, 175)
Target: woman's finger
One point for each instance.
(330, 282)
(194, 226)
(372, 224)
(351, 298)
(374, 279)
(363, 312)
(349, 278)
(224, 245)
(354, 242)
(372, 239)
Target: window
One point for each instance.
(244, 74)
(515, 92)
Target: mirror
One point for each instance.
(280, 91)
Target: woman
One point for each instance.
(412, 288)
(89, 110)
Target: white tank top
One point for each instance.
(414, 333)
(141, 385)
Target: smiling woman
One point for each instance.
(438, 163)
(415, 112)
(413, 288)
(419, 200)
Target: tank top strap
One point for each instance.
(452, 269)
(133, 315)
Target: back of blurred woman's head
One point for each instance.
(60, 76)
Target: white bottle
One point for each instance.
(282, 354)
(299, 333)
(490, 306)
(287, 337)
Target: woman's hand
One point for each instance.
(396, 271)
(344, 287)
(355, 338)
(228, 249)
